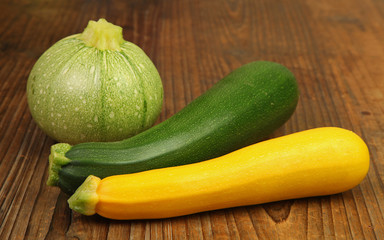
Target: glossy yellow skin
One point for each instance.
(315, 162)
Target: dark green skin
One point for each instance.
(241, 109)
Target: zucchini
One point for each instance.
(94, 87)
(315, 162)
(243, 108)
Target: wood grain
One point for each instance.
(335, 49)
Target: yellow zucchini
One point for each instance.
(315, 162)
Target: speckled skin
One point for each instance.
(77, 93)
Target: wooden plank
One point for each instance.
(335, 49)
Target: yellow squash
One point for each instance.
(315, 162)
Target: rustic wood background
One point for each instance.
(335, 48)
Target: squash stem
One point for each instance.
(85, 199)
(57, 159)
(103, 35)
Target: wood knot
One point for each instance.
(278, 211)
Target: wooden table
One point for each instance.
(335, 49)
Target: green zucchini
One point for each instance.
(243, 108)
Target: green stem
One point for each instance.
(85, 199)
(57, 159)
(103, 35)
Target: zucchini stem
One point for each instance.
(85, 199)
(57, 159)
(103, 35)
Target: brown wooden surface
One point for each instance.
(335, 48)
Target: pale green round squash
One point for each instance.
(94, 86)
